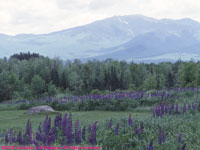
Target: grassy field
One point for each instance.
(17, 119)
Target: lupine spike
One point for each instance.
(19, 138)
(92, 137)
(83, 133)
(130, 122)
(64, 125)
(179, 137)
(150, 147)
(77, 133)
(183, 147)
(69, 132)
(110, 124)
(117, 129)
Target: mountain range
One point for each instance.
(134, 37)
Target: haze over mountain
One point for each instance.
(133, 37)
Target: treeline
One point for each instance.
(32, 76)
(25, 56)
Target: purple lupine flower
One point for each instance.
(161, 137)
(31, 138)
(162, 108)
(158, 110)
(172, 106)
(38, 136)
(49, 124)
(83, 133)
(130, 122)
(110, 124)
(46, 126)
(54, 131)
(64, 125)
(39, 128)
(179, 137)
(36, 144)
(58, 121)
(39, 133)
(10, 135)
(189, 106)
(92, 137)
(19, 138)
(150, 147)
(193, 106)
(137, 131)
(141, 127)
(69, 132)
(117, 129)
(79, 137)
(28, 128)
(44, 139)
(51, 137)
(77, 133)
(183, 147)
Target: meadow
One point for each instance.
(149, 120)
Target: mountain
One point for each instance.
(133, 37)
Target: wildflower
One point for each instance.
(193, 106)
(83, 133)
(141, 126)
(161, 137)
(77, 133)
(64, 125)
(130, 122)
(150, 147)
(69, 133)
(183, 147)
(110, 124)
(117, 129)
(92, 137)
(179, 137)
(19, 138)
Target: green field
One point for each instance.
(17, 119)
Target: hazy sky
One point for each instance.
(43, 16)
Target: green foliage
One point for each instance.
(89, 105)
(187, 74)
(51, 89)
(37, 85)
(17, 76)
(132, 87)
(96, 91)
(150, 82)
(8, 85)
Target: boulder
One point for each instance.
(40, 109)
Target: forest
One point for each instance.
(28, 76)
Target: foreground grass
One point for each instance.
(17, 119)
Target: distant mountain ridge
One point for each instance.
(133, 37)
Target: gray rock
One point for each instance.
(40, 109)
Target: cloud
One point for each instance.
(43, 16)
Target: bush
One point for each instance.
(51, 89)
(94, 92)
